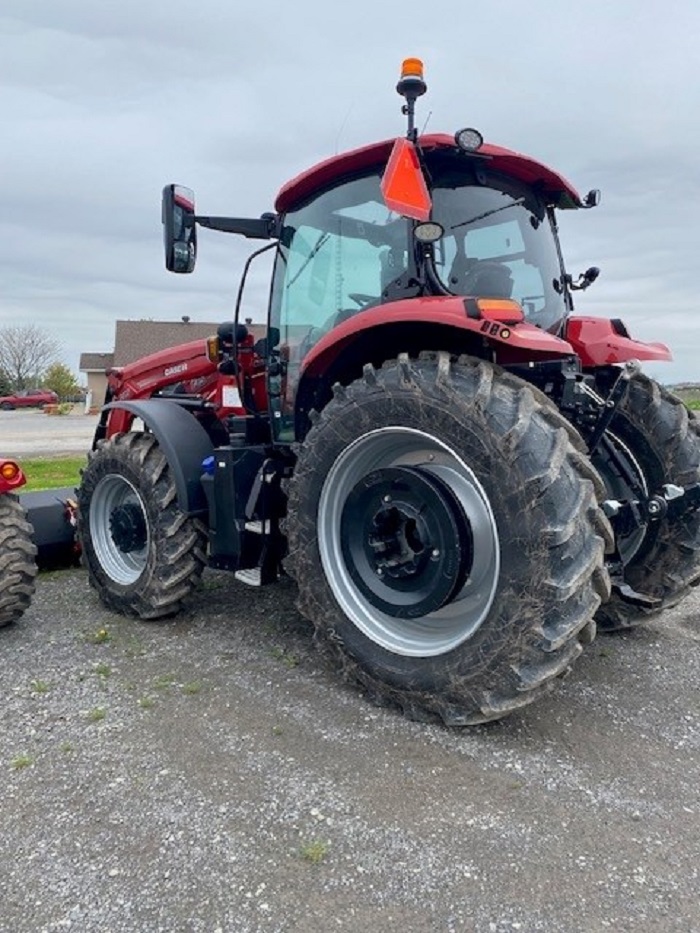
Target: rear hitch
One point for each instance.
(672, 502)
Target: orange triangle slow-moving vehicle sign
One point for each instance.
(403, 185)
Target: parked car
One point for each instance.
(28, 398)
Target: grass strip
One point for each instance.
(51, 472)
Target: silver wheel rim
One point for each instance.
(629, 545)
(111, 492)
(440, 631)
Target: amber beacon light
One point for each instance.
(412, 67)
(411, 86)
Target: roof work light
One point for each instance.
(469, 139)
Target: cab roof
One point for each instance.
(520, 166)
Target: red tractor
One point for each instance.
(462, 476)
(17, 549)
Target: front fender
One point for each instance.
(184, 443)
(599, 342)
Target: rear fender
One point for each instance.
(184, 442)
(599, 342)
(510, 339)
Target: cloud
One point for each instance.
(104, 103)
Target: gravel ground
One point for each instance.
(206, 774)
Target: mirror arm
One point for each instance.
(262, 228)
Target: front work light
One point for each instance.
(428, 232)
(469, 139)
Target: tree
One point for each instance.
(5, 384)
(25, 352)
(61, 380)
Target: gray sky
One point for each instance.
(103, 103)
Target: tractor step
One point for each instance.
(251, 577)
(258, 527)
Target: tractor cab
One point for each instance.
(393, 244)
(343, 250)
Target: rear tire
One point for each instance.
(143, 555)
(663, 560)
(18, 567)
(425, 454)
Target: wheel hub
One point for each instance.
(127, 527)
(406, 541)
(397, 543)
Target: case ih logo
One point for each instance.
(174, 370)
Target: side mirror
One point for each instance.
(592, 199)
(179, 231)
(584, 280)
(590, 275)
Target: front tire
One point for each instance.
(143, 555)
(18, 567)
(446, 539)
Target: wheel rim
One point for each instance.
(119, 529)
(619, 488)
(472, 577)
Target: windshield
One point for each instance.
(498, 240)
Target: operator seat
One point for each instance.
(486, 278)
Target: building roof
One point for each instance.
(136, 339)
(95, 362)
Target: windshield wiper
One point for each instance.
(319, 245)
(494, 210)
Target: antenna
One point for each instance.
(342, 127)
